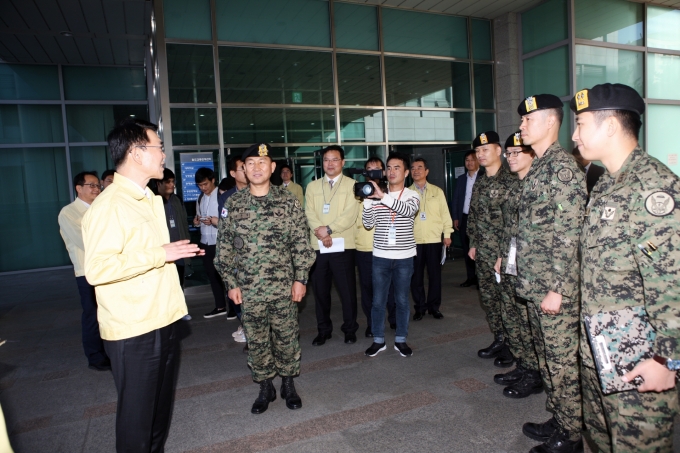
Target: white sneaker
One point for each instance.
(240, 338)
(238, 332)
(186, 317)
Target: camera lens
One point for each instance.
(367, 189)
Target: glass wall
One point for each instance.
(48, 133)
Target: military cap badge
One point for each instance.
(530, 104)
(483, 140)
(581, 100)
(660, 204)
(262, 150)
(516, 140)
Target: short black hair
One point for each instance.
(630, 121)
(168, 174)
(285, 166)
(224, 185)
(402, 157)
(233, 162)
(108, 173)
(472, 151)
(125, 135)
(79, 179)
(559, 113)
(337, 148)
(421, 159)
(204, 173)
(375, 159)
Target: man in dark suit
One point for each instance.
(461, 207)
(593, 172)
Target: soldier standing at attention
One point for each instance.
(264, 257)
(550, 215)
(524, 380)
(630, 257)
(485, 229)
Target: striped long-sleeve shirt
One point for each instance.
(398, 208)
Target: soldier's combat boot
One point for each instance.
(494, 349)
(530, 384)
(505, 358)
(266, 396)
(541, 431)
(511, 377)
(289, 394)
(559, 442)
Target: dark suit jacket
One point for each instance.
(459, 194)
(593, 174)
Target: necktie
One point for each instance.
(330, 181)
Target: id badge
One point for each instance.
(422, 216)
(326, 208)
(511, 267)
(172, 223)
(392, 236)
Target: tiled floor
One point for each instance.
(442, 399)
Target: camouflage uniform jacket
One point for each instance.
(550, 216)
(509, 210)
(485, 221)
(263, 244)
(630, 248)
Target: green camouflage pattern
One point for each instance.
(556, 339)
(262, 248)
(550, 215)
(485, 229)
(630, 250)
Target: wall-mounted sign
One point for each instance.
(189, 164)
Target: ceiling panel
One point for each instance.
(94, 16)
(74, 16)
(115, 17)
(51, 13)
(134, 18)
(68, 46)
(103, 49)
(52, 48)
(120, 51)
(34, 48)
(17, 51)
(11, 16)
(29, 13)
(86, 48)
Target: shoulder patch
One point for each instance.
(660, 204)
(565, 174)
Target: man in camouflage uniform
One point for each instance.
(485, 228)
(263, 255)
(550, 214)
(524, 380)
(630, 250)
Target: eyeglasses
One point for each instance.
(92, 185)
(332, 160)
(162, 147)
(513, 153)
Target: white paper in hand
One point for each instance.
(338, 246)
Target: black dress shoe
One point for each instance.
(559, 443)
(104, 366)
(393, 325)
(369, 333)
(350, 338)
(529, 385)
(289, 394)
(494, 349)
(266, 396)
(467, 283)
(321, 339)
(511, 377)
(505, 358)
(436, 314)
(541, 431)
(417, 316)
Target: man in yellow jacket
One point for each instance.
(130, 261)
(433, 226)
(290, 185)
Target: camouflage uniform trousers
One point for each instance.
(516, 323)
(556, 339)
(489, 290)
(272, 330)
(628, 421)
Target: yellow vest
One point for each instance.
(437, 216)
(70, 219)
(342, 212)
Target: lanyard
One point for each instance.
(323, 191)
(424, 195)
(394, 213)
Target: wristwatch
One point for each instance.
(328, 229)
(304, 282)
(673, 365)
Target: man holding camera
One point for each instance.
(332, 211)
(432, 223)
(394, 246)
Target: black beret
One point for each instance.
(257, 150)
(608, 96)
(515, 139)
(539, 102)
(486, 138)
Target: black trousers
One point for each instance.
(465, 239)
(364, 261)
(215, 280)
(180, 273)
(340, 268)
(92, 340)
(428, 255)
(145, 372)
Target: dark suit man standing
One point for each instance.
(461, 208)
(593, 171)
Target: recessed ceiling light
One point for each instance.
(132, 116)
(68, 34)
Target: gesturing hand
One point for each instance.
(181, 249)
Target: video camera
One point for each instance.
(366, 189)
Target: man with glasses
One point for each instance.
(87, 187)
(130, 261)
(332, 210)
(289, 184)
